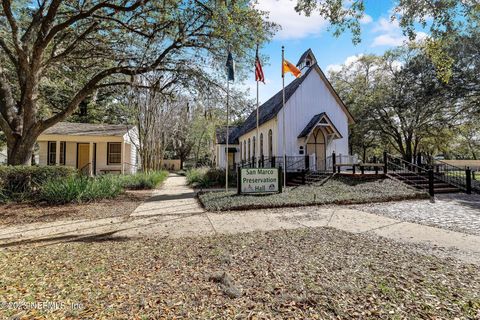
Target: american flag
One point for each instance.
(258, 70)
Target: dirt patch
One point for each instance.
(21, 213)
(297, 274)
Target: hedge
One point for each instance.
(23, 182)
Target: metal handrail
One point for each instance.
(403, 168)
(83, 169)
(407, 163)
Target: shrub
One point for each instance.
(80, 189)
(24, 182)
(205, 177)
(146, 180)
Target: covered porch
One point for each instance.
(92, 152)
(315, 141)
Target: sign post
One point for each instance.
(259, 180)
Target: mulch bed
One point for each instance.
(340, 190)
(20, 213)
(296, 274)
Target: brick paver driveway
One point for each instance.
(459, 212)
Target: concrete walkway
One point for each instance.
(173, 211)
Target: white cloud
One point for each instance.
(391, 34)
(294, 25)
(366, 19)
(348, 62)
(385, 25)
(389, 40)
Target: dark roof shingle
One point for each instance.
(221, 134)
(310, 125)
(272, 107)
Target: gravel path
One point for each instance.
(458, 212)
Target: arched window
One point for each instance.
(270, 143)
(261, 144)
(249, 149)
(254, 151)
(244, 149)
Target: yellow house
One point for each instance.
(91, 148)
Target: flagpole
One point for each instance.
(283, 112)
(257, 141)
(226, 167)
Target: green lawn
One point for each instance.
(338, 190)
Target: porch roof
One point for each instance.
(88, 129)
(323, 120)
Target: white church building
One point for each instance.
(316, 125)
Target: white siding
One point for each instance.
(220, 154)
(311, 98)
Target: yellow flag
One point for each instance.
(289, 67)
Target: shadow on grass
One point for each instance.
(101, 237)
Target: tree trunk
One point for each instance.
(20, 151)
(408, 150)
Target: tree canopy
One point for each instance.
(402, 105)
(55, 54)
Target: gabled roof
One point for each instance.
(221, 134)
(304, 56)
(88, 129)
(272, 107)
(316, 119)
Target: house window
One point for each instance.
(270, 143)
(51, 153)
(244, 149)
(249, 147)
(114, 153)
(261, 144)
(254, 147)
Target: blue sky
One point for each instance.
(300, 33)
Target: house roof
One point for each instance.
(316, 119)
(221, 134)
(272, 107)
(88, 129)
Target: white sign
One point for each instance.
(259, 180)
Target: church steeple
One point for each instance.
(306, 60)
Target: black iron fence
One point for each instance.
(453, 175)
(291, 163)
